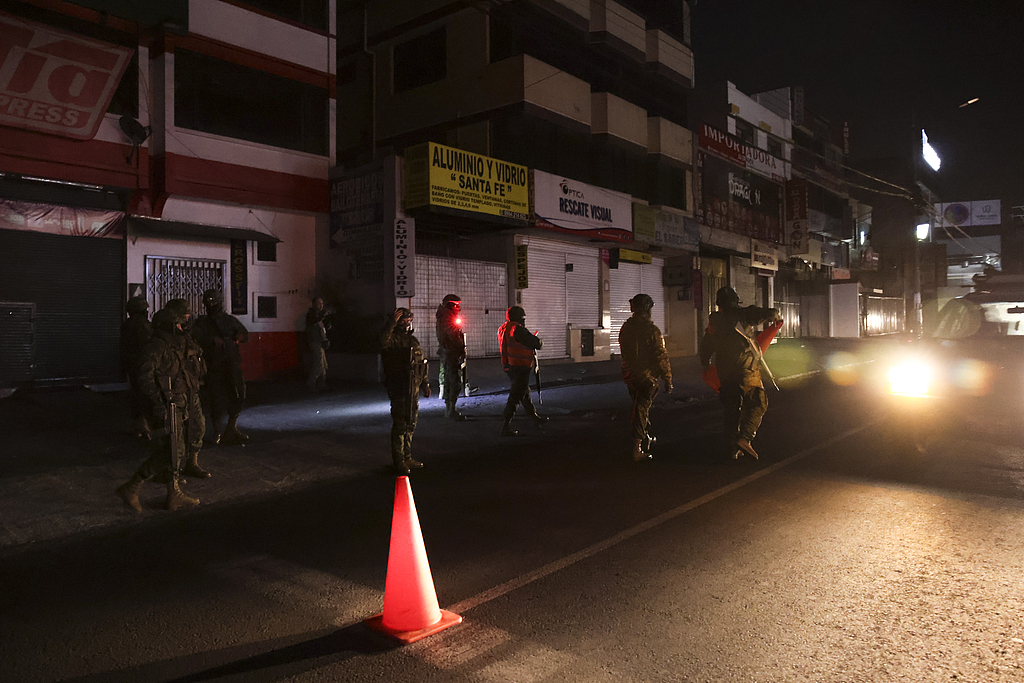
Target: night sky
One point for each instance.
(881, 64)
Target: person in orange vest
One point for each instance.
(518, 354)
(644, 362)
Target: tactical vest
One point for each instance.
(513, 353)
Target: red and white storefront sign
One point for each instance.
(54, 81)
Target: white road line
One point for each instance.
(569, 560)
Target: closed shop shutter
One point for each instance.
(583, 287)
(625, 282)
(544, 300)
(77, 285)
(483, 288)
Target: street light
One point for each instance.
(922, 231)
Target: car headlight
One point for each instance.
(910, 379)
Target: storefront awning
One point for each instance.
(157, 226)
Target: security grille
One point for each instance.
(483, 288)
(628, 280)
(175, 278)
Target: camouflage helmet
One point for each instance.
(727, 298)
(167, 320)
(516, 314)
(452, 301)
(137, 304)
(641, 302)
(180, 307)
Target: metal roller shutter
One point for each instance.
(77, 285)
(583, 287)
(544, 300)
(625, 282)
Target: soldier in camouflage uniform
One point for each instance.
(729, 339)
(405, 375)
(196, 367)
(644, 362)
(219, 334)
(451, 348)
(136, 331)
(164, 360)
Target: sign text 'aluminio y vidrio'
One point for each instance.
(581, 209)
(54, 81)
(436, 175)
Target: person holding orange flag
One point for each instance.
(738, 357)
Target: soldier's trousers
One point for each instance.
(404, 414)
(518, 392)
(449, 375)
(159, 452)
(223, 394)
(195, 426)
(744, 409)
(642, 392)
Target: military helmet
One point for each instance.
(452, 301)
(727, 298)
(179, 306)
(137, 304)
(166, 320)
(642, 302)
(516, 314)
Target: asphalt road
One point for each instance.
(836, 557)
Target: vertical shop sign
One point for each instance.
(522, 272)
(239, 277)
(405, 258)
(796, 216)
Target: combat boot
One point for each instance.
(506, 429)
(193, 469)
(231, 433)
(176, 499)
(413, 463)
(401, 466)
(129, 492)
(452, 413)
(744, 445)
(638, 453)
(537, 418)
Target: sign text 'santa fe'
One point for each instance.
(453, 178)
(56, 82)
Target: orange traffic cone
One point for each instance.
(410, 603)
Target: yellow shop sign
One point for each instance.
(436, 175)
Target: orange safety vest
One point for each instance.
(513, 353)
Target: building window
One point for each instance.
(266, 251)
(420, 61)
(266, 307)
(218, 97)
(745, 132)
(311, 13)
(775, 147)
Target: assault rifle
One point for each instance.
(172, 425)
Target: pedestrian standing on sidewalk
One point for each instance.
(451, 348)
(729, 341)
(317, 325)
(136, 331)
(518, 349)
(405, 375)
(165, 382)
(219, 333)
(644, 363)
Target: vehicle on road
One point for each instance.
(966, 375)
